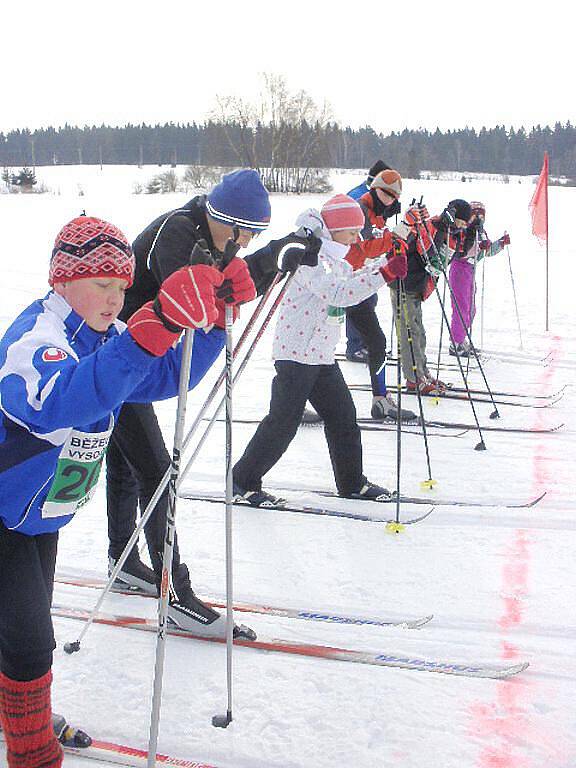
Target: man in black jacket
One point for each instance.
(233, 213)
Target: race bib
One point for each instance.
(77, 472)
(335, 315)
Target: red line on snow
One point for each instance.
(504, 727)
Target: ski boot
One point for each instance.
(67, 735)
(385, 408)
(371, 492)
(360, 356)
(257, 498)
(134, 576)
(438, 386)
(186, 611)
(310, 417)
(423, 386)
(460, 350)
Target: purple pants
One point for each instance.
(461, 280)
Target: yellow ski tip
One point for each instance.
(428, 485)
(394, 528)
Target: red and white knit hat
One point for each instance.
(342, 212)
(90, 247)
(478, 207)
(390, 181)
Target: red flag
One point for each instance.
(539, 204)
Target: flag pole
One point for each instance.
(547, 255)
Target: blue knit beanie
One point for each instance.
(240, 200)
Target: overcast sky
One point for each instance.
(388, 65)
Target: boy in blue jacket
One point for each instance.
(66, 367)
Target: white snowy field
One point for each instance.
(500, 582)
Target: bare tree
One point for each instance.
(238, 119)
(283, 136)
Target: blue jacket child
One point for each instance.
(66, 366)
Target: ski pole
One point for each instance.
(396, 526)
(169, 548)
(481, 446)
(495, 414)
(223, 721)
(515, 300)
(72, 647)
(482, 305)
(230, 252)
(441, 327)
(241, 367)
(429, 483)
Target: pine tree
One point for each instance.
(26, 179)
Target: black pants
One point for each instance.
(136, 462)
(365, 320)
(27, 566)
(293, 385)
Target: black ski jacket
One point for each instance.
(160, 253)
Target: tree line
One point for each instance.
(303, 144)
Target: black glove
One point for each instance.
(263, 263)
(296, 257)
(392, 209)
(477, 225)
(225, 257)
(276, 246)
(200, 253)
(447, 218)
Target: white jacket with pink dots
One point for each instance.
(307, 331)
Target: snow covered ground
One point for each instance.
(500, 582)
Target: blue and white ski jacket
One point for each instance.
(61, 387)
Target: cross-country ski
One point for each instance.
(477, 397)
(321, 615)
(387, 425)
(108, 753)
(437, 502)
(495, 671)
(309, 509)
(291, 505)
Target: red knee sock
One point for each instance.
(26, 719)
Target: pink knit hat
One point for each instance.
(342, 212)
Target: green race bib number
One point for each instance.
(336, 315)
(77, 473)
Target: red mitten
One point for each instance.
(149, 332)
(505, 239)
(185, 300)
(237, 286)
(396, 265)
(484, 245)
(416, 215)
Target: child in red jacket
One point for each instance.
(378, 204)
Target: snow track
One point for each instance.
(501, 583)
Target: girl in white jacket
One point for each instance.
(307, 331)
